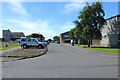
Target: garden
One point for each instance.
(8, 45)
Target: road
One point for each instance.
(62, 61)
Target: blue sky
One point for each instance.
(47, 18)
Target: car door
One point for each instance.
(35, 43)
(29, 43)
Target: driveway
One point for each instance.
(62, 61)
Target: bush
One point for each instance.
(6, 45)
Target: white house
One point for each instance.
(111, 32)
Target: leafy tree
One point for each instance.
(71, 34)
(92, 20)
(78, 31)
(36, 35)
(56, 38)
(49, 40)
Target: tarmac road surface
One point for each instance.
(62, 61)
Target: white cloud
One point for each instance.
(74, 6)
(0, 32)
(24, 24)
(17, 8)
(29, 27)
(67, 27)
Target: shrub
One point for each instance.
(6, 45)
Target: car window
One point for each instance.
(29, 40)
(23, 40)
(34, 40)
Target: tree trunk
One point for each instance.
(88, 43)
(91, 42)
(78, 42)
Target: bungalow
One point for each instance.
(64, 37)
(12, 36)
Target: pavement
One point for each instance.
(62, 61)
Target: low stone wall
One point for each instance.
(25, 53)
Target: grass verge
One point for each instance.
(2, 48)
(8, 45)
(100, 48)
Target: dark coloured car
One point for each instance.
(58, 42)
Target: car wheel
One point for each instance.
(40, 47)
(24, 46)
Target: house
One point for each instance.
(12, 36)
(64, 37)
(111, 32)
(1, 39)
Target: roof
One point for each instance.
(113, 17)
(65, 32)
(106, 19)
(17, 32)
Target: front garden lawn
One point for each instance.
(100, 48)
(8, 45)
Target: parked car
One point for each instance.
(45, 42)
(58, 42)
(31, 42)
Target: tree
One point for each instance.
(98, 19)
(49, 40)
(92, 20)
(36, 35)
(71, 34)
(56, 38)
(78, 31)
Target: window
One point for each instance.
(118, 36)
(119, 23)
(29, 40)
(23, 39)
(105, 36)
(34, 40)
(66, 36)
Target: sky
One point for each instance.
(47, 18)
